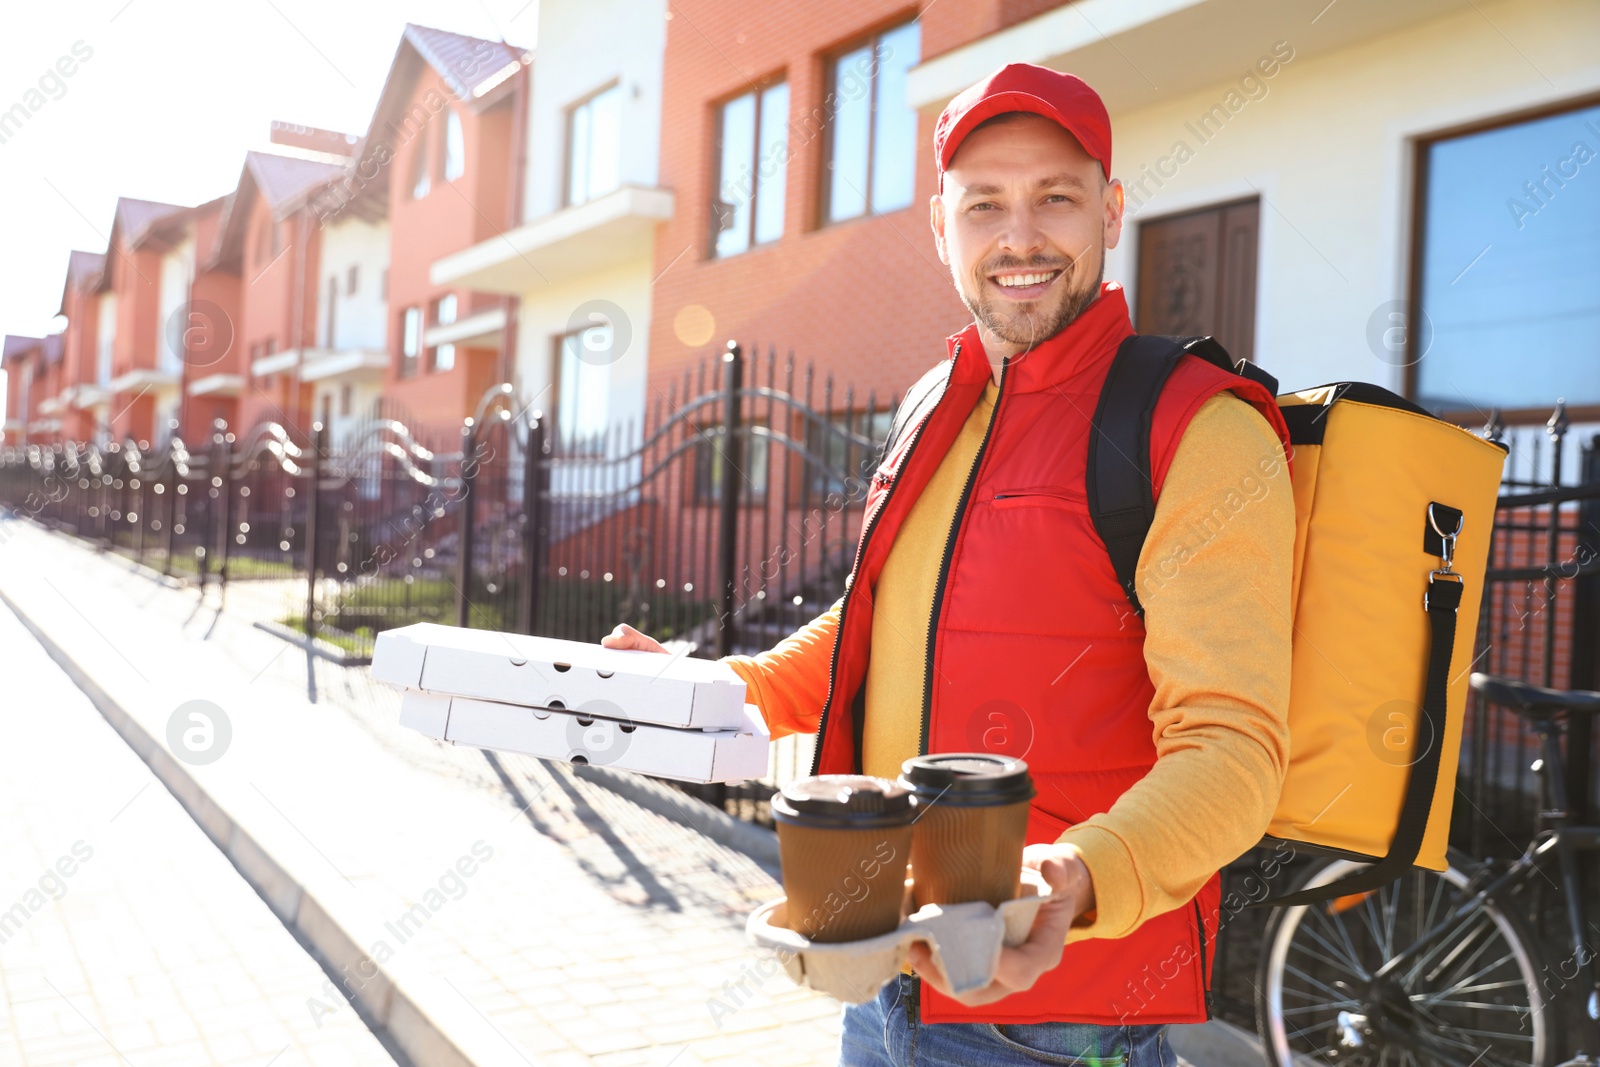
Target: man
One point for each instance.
(1157, 742)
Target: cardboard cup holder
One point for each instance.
(965, 940)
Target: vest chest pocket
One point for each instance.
(1061, 497)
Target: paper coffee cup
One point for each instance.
(972, 823)
(843, 842)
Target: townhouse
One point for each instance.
(438, 163)
(268, 236)
(579, 260)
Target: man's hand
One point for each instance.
(1072, 894)
(625, 636)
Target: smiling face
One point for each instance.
(1024, 221)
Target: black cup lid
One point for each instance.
(843, 800)
(967, 779)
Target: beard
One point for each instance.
(1041, 320)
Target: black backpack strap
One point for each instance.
(919, 399)
(1121, 491)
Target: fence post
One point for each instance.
(222, 483)
(464, 540)
(171, 480)
(318, 442)
(1585, 670)
(732, 474)
(535, 483)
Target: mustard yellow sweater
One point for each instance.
(1217, 648)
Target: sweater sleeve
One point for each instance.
(1214, 579)
(789, 682)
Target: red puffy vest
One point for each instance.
(1028, 599)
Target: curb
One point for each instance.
(404, 1027)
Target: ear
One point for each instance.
(1114, 208)
(936, 220)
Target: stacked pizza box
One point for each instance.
(657, 714)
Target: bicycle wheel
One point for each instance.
(1468, 998)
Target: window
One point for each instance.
(840, 455)
(333, 304)
(583, 387)
(419, 168)
(594, 146)
(1507, 282)
(873, 133)
(326, 408)
(752, 163)
(410, 341)
(275, 228)
(455, 149)
(352, 280)
(345, 392)
(383, 284)
(710, 460)
(264, 241)
(444, 313)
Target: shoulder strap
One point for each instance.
(923, 393)
(1120, 488)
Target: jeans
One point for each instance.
(886, 1032)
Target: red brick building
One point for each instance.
(213, 354)
(439, 162)
(268, 236)
(839, 265)
(139, 376)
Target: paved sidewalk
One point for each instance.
(530, 916)
(125, 936)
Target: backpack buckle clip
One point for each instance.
(1447, 540)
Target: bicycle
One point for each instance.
(1439, 969)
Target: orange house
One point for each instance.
(267, 237)
(439, 161)
(83, 397)
(143, 378)
(20, 358)
(206, 334)
(804, 187)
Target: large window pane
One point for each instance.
(894, 134)
(1511, 267)
(594, 133)
(583, 387)
(851, 132)
(455, 147)
(734, 190)
(772, 163)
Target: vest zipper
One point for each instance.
(1205, 976)
(949, 550)
(861, 551)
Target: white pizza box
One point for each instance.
(659, 751)
(544, 672)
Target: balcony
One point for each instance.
(143, 379)
(483, 329)
(319, 364)
(218, 385)
(1136, 53)
(607, 232)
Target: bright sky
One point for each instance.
(172, 96)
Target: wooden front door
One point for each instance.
(1197, 275)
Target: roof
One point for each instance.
(136, 218)
(479, 72)
(471, 66)
(284, 182)
(82, 269)
(16, 346)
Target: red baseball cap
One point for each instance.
(1062, 98)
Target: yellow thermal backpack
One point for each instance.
(1393, 513)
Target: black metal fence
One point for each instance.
(727, 520)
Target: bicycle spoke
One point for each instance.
(1335, 964)
(1322, 1007)
(1338, 925)
(1298, 973)
(1447, 992)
